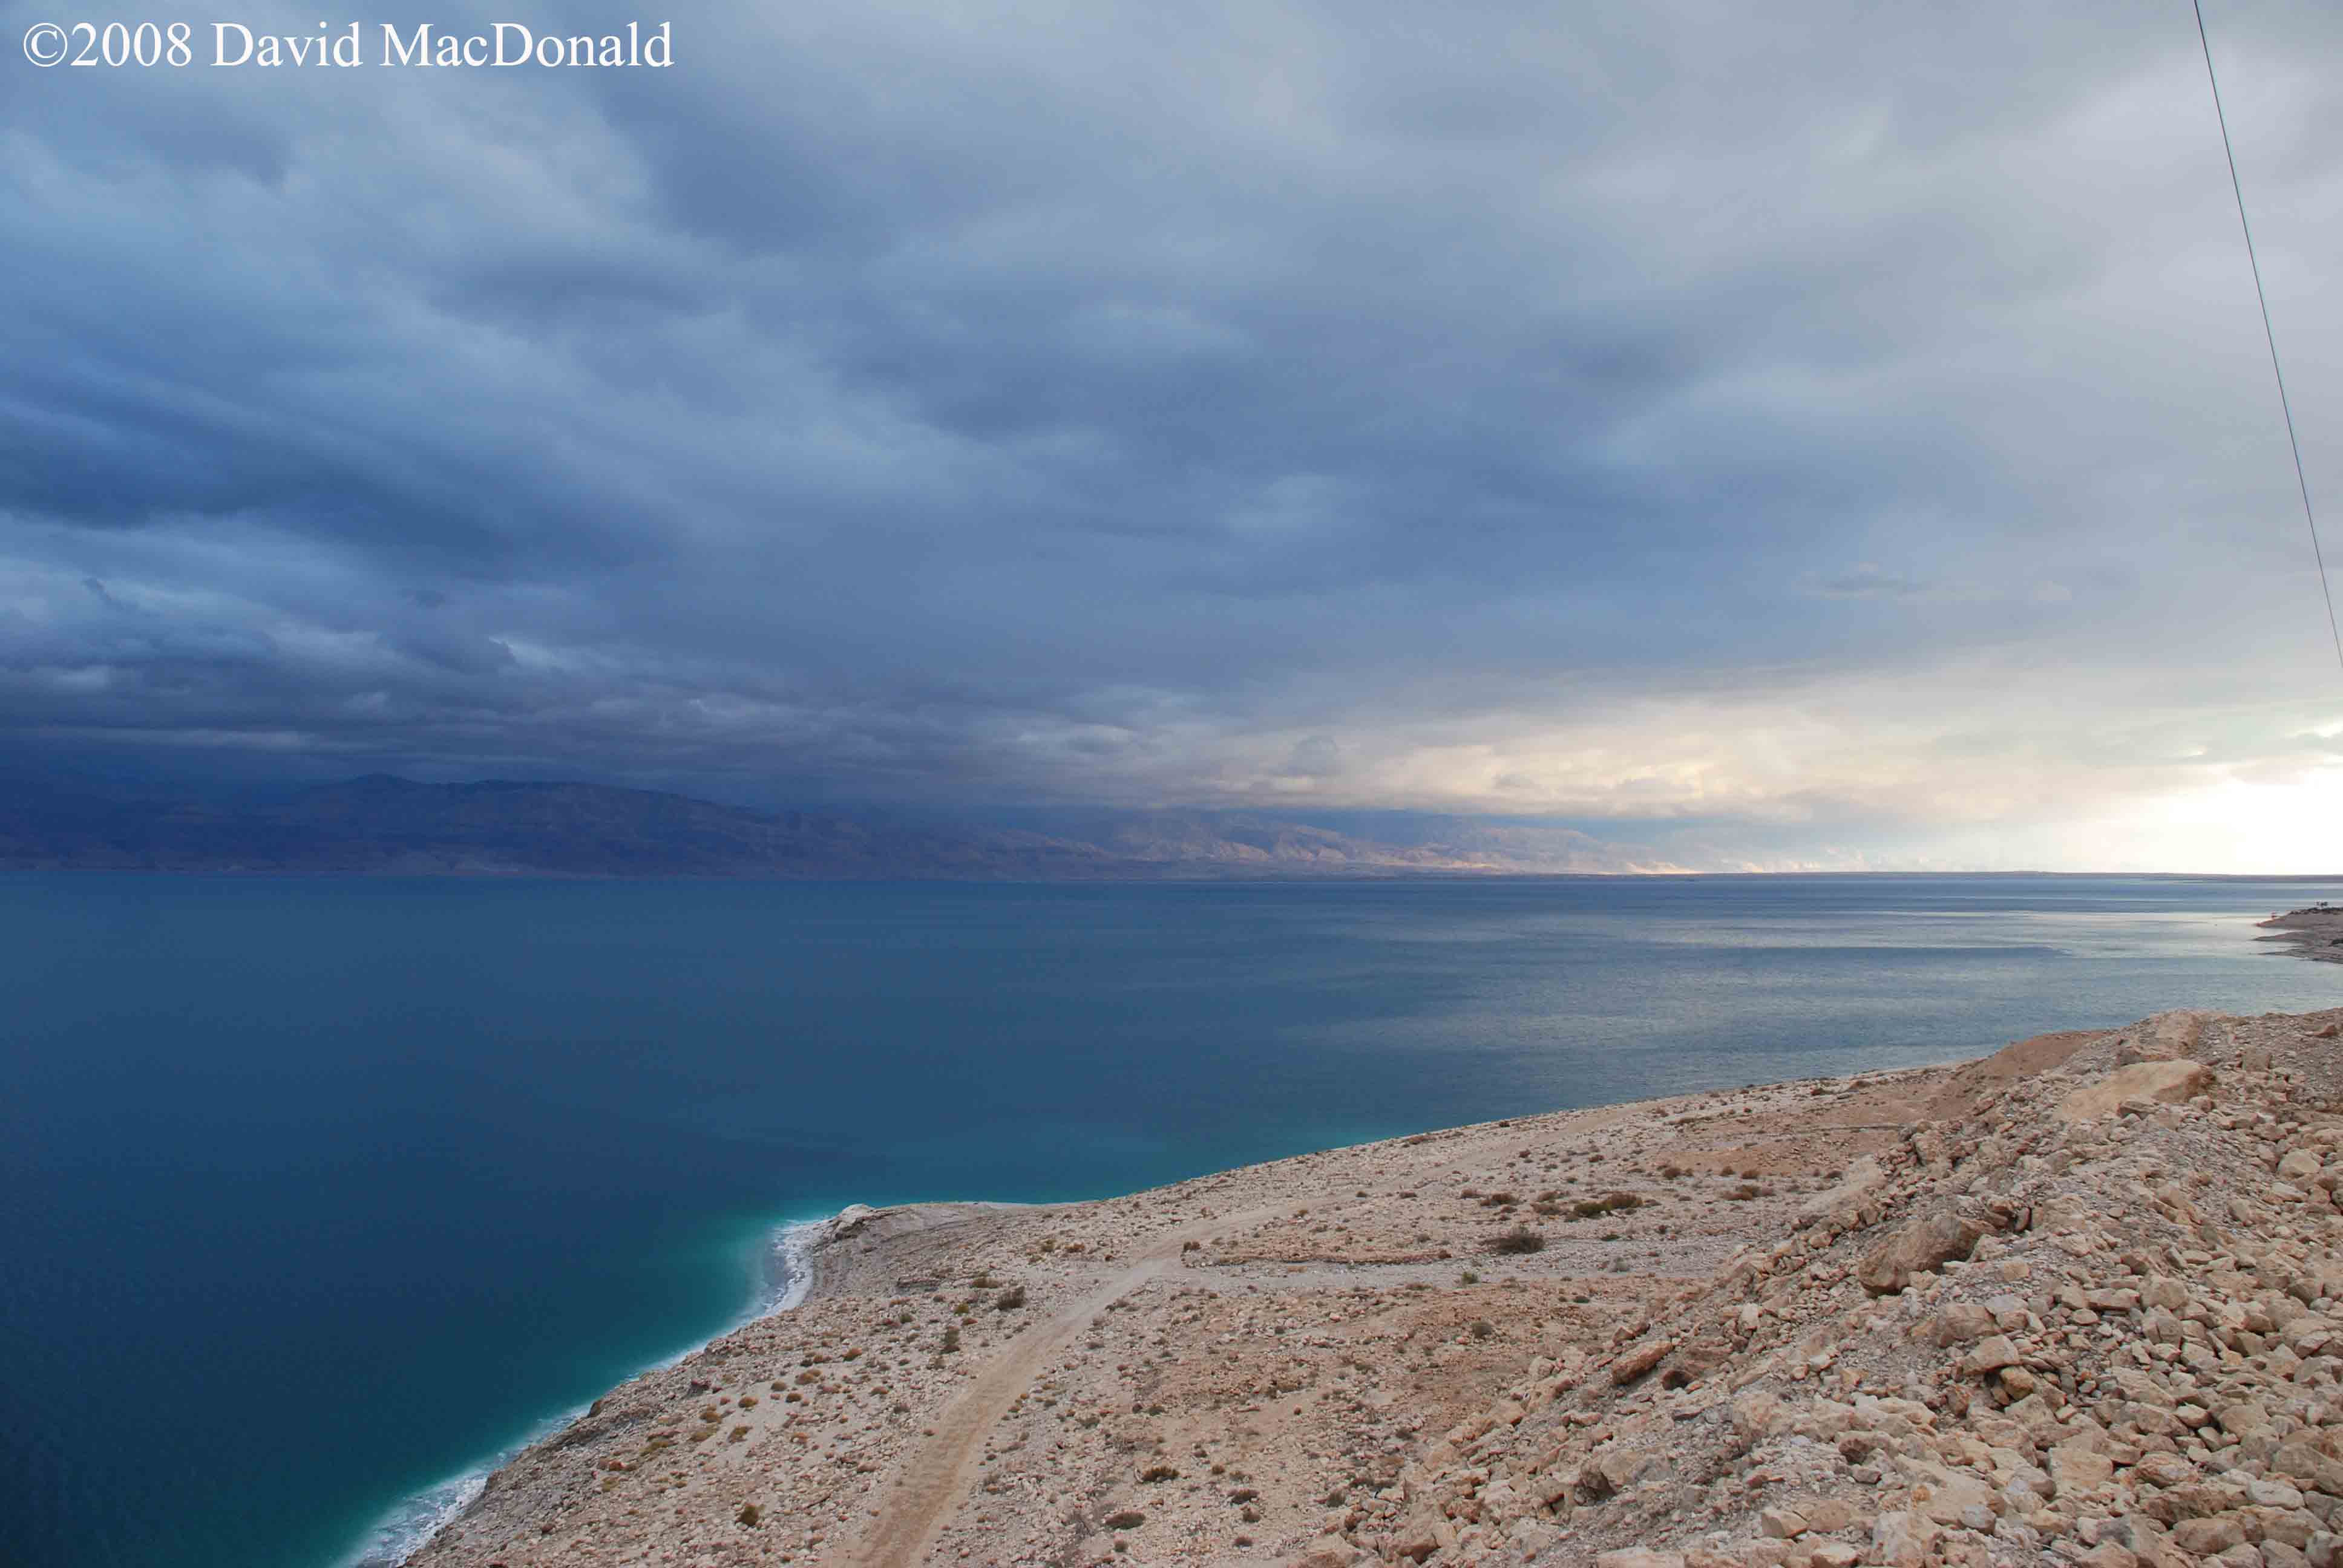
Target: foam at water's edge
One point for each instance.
(403, 1530)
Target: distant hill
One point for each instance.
(1442, 844)
(386, 824)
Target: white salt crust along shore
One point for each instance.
(396, 1538)
(2080, 1301)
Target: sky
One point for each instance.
(1838, 437)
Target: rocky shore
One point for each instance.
(2080, 1301)
(2316, 932)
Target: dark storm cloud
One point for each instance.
(1676, 413)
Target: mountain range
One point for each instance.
(381, 824)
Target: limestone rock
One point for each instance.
(1993, 1353)
(1925, 1244)
(2157, 1083)
(2074, 1468)
(1635, 1362)
(2167, 1037)
(1327, 1555)
(1963, 1322)
(1901, 1539)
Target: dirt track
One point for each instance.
(939, 1471)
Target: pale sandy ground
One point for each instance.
(1326, 1360)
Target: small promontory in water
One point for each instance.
(2080, 1301)
(2316, 932)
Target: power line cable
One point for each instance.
(2284, 404)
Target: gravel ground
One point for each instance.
(2069, 1303)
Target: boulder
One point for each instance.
(2075, 1468)
(1635, 1362)
(1992, 1354)
(1900, 1539)
(2167, 1037)
(1961, 1322)
(2209, 1537)
(1328, 1554)
(1862, 1176)
(1947, 1496)
(2155, 1082)
(1924, 1244)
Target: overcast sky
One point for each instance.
(1832, 434)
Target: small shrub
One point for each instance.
(1482, 1329)
(1128, 1519)
(750, 1516)
(1520, 1239)
(1609, 1203)
(1158, 1473)
(1011, 1299)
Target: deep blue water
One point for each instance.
(313, 1195)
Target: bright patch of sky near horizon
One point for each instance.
(1838, 441)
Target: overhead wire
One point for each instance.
(2286, 403)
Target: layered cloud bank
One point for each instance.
(1843, 444)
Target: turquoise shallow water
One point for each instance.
(320, 1193)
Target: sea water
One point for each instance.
(316, 1196)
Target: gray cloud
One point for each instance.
(1681, 415)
